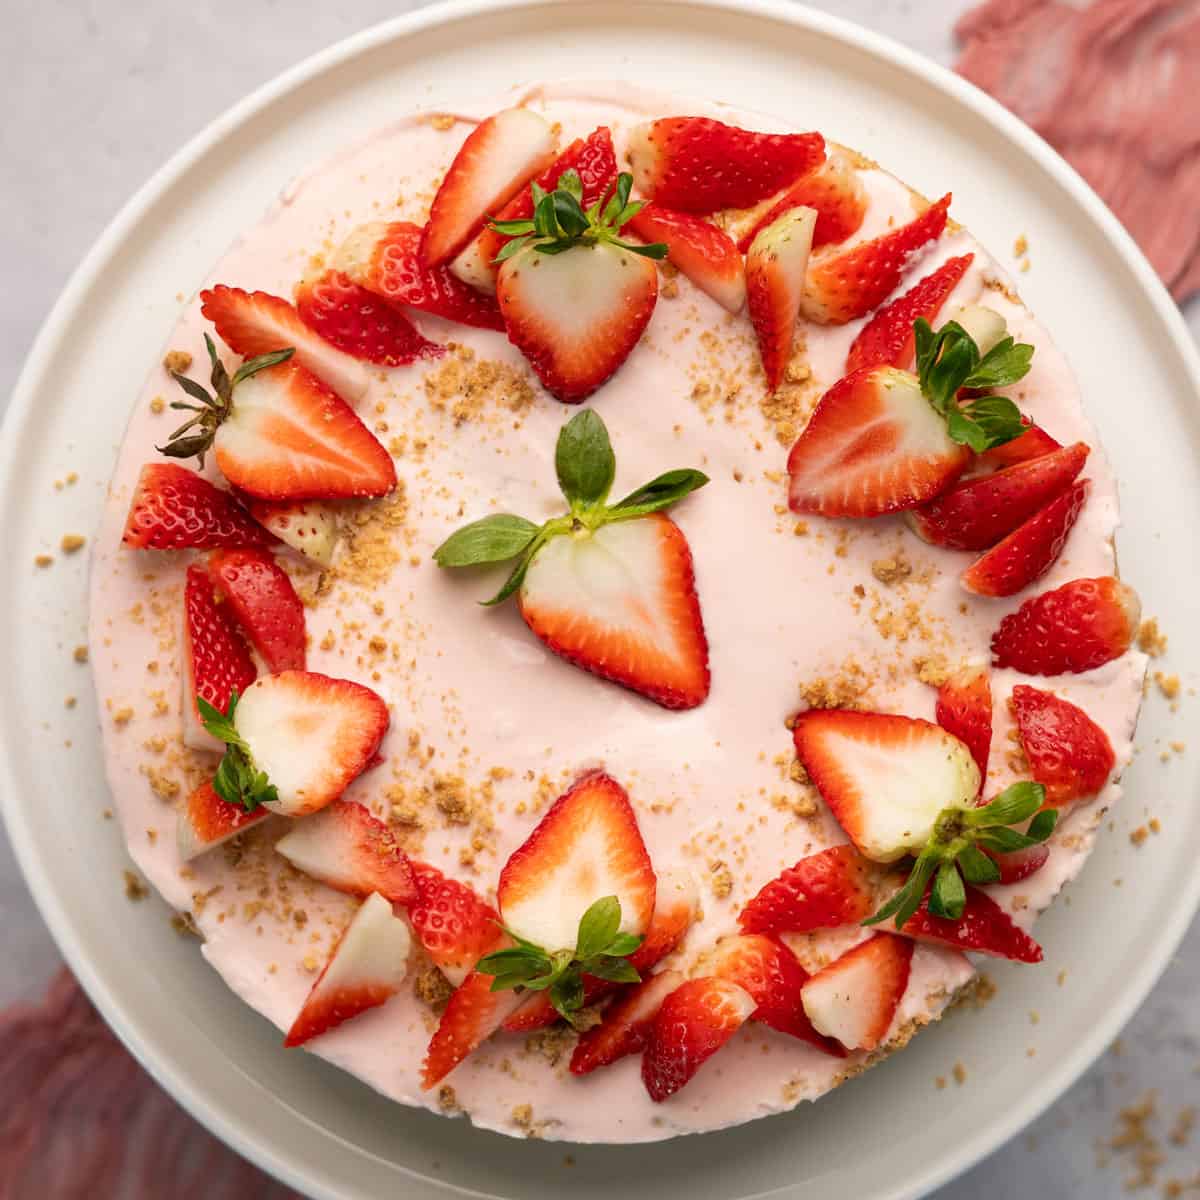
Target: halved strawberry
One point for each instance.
(886, 778)
(977, 513)
(844, 284)
(775, 270)
(830, 888)
(1030, 550)
(216, 661)
(307, 526)
(311, 735)
(772, 974)
(692, 1024)
(626, 1024)
(261, 596)
(855, 998)
(702, 251)
(366, 969)
(454, 925)
(592, 159)
(254, 323)
(886, 340)
(699, 165)
(206, 821)
(984, 928)
(1076, 627)
(1068, 753)
(358, 322)
(873, 445)
(1035, 442)
(832, 189)
(964, 708)
(176, 509)
(586, 847)
(1019, 864)
(622, 604)
(500, 156)
(345, 847)
(473, 1014)
(385, 259)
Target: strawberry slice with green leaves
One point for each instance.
(278, 433)
(360, 323)
(626, 1024)
(385, 259)
(346, 848)
(964, 709)
(700, 165)
(499, 157)
(608, 587)
(828, 889)
(1030, 550)
(775, 267)
(701, 250)
(981, 927)
(1035, 442)
(887, 340)
(307, 526)
(842, 285)
(575, 295)
(454, 925)
(882, 440)
(366, 969)
(692, 1024)
(855, 998)
(1070, 629)
(207, 821)
(1068, 753)
(258, 324)
(261, 596)
(474, 1012)
(295, 741)
(176, 509)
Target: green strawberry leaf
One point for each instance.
(584, 461)
(597, 927)
(489, 540)
(659, 493)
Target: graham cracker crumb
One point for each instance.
(135, 889)
(470, 389)
(960, 1074)
(123, 715)
(891, 570)
(43, 560)
(442, 121)
(551, 1044)
(71, 542)
(1139, 835)
(720, 879)
(158, 404)
(175, 362)
(432, 988)
(1020, 246)
(932, 669)
(1150, 640)
(370, 552)
(80, 654)
(183, 925)
(1167, 684)
(448, 1100)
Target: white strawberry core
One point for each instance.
(333, 367)
(473, 271)
(318, 846)
(374, 950)
(845, 1002)
(985, 325)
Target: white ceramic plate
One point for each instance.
(888, 1135)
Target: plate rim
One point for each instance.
(64, 311)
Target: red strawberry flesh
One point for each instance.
(261, 597)
(1068, 753)
(823, 891)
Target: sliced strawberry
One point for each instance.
(964, 708)
(622, 604)
(873, 445)
(473, 1014)
(886, 340)
(694, 1022)
(176, 509)
(676, 906)
(844, 284)
(984, 928)
(261, 596)
(592, 159)
(307, 526)
(1076, 627)
(1035, 442)
(576, 316)
(500, 156)
(772, 974)
(289, 437)
(1068, 753)
(254, 323)
(833, 190)
(1019, 864)
(775, 270)
(312, 735)
(366, 969)
(385, 259)
(1030, 550)
(586, 847)
(216, 661)
(977, 513)
(699, 165)
(454, 925)
(207, 820)
(626, 1024)
(702, 251)
(831, 888)
(855, 998)
(345, 847)
(885, 778)
(357, 321)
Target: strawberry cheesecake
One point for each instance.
(607, 615)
